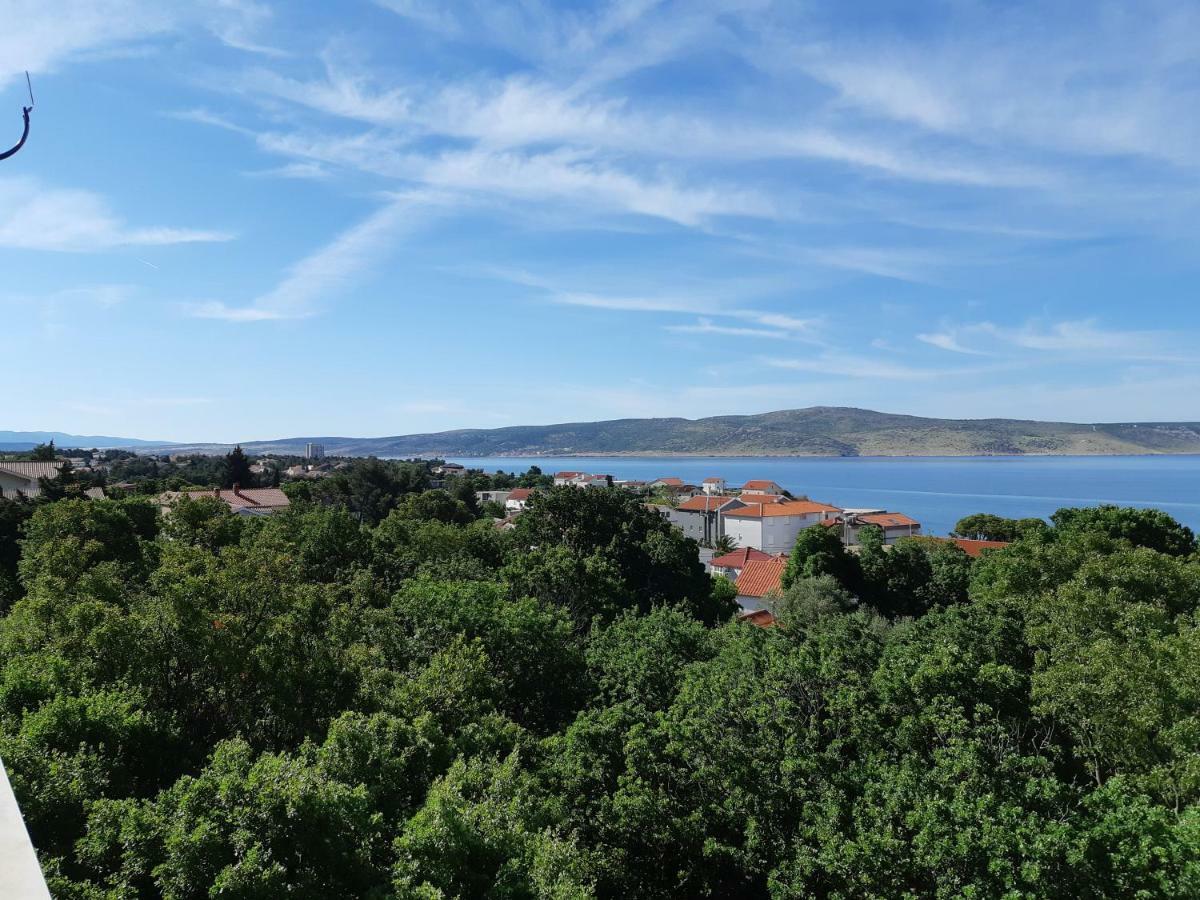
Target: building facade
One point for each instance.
(773, 527)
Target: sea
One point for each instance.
(936, 491)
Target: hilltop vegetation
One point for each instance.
(818, 431)
(416, 704)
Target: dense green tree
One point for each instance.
(435, 506)
(369, 488)
(820, 551)
(236, 469)
(43, 452)
(988, 527)
(202, 522)
(73, 540)
(808, 600)
(314, 705)
(13, 513)
(654, 562)
(1141, 527)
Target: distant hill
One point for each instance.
(27, 440)
(817, 431)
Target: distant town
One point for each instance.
(744, 532)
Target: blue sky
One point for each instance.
(239, 220)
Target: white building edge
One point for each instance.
(20, 875)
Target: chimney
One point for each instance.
(237, 489)
(217, 493)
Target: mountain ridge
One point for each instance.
(813, 431)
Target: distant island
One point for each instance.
(815, 431)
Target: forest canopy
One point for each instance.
(380, 693)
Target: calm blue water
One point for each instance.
(937, 491)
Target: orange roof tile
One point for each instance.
(672, 481)
(520, 493)
(704, 503)
(759, 484)
(890, 520)
(738, 558)
(243, 498)
(761, 498)
(762, 618)
(787, 508)
(713, 480)
(976, 548)
(761, 576)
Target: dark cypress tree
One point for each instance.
(237, 469)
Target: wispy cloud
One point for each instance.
(300, 170)
(708, 326)
(1084, 337)
(38, 217)
(636, 304)
(867, 366)
(327, 271)
(42, 37)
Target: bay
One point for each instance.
(937, 491)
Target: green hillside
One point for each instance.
(817, 431)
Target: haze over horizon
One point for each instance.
(240, 220)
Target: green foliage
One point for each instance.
(635, 558)
(236, 470)
(1141, 527)
(987, 527)
(202, 522)
(13, 514)
(820, 551)
(369, 488)
(313, 705)
(806, 601)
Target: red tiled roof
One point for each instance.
(31, 470)
(569, 474)
(760, 498)
(976, 548)
(762, 618)
(760, 484)
(243, 498)
(713, 480)
(672, 481)
(704, 503)
(738, 558)
(787, 508)
(890, 520)
(520, 494)
(761, 576)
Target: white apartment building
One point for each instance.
(773, 527)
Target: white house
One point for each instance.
(895, 525)
(713, 485)
(748, 497)
(517, 500)
(20, 477)
(731, 564)
(773, 527)
(762, 486)
(565, 478)
(500, 497)
(760, 583)
(699, 517)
